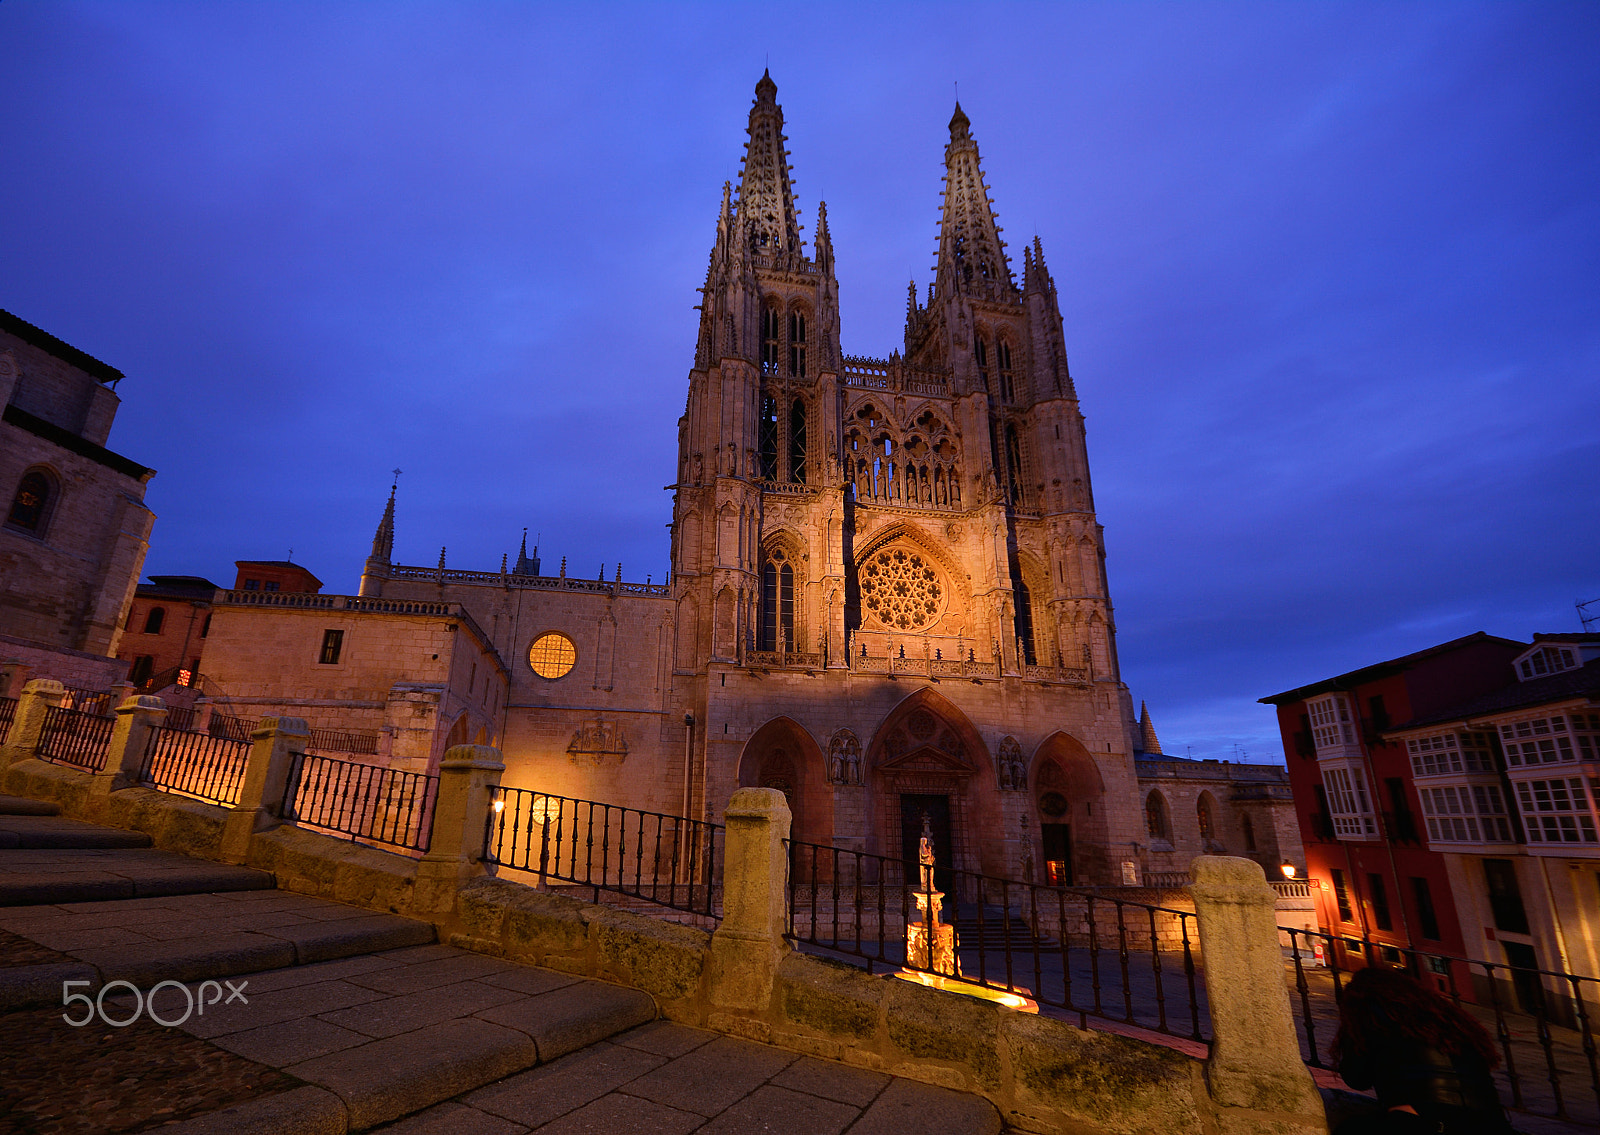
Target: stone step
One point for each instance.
(22, 806)
(195, 937)
(381, 1036)
(41, 831)
(71, 875)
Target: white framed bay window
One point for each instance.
(1348, 802)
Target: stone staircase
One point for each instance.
(350, 1020)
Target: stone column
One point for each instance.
(1255, 1073)
(275, 743)
(748, 945)
(138, 719)
(203, 707)
(467, 776)
(38, 697)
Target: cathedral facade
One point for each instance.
(888, 594)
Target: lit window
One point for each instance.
(552, 655)
(31, 506)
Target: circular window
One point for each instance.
(901, 589)
(552, 655)
(1053, 804)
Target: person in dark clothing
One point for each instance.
(1428, 1060)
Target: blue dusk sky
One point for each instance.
(1330, 277)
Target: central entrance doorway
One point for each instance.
(913, 807)
(1057, 840)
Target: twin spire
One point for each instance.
(972, 258)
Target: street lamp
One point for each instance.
(1288, 869)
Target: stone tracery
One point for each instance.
(901, 588)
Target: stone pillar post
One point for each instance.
(1255, 1074)
(275, 743)
(122, 691)
(203, 707)
(14, 675)
(38, 697)
(467, 776)
(748, 945)
(138, 719)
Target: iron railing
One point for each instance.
(233, 728)
(1074, 951)
(1543, 1021)
(365, 802)
(8, 711)
(666, 860)
(195, 764)
(343, 741)
(73, 737)
(96, 702)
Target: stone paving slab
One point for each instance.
(40, 876)
(47, 831)
(618, 1086)
(22, 806)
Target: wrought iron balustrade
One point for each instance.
(195, 764)
(364, 802)
(74, 737)
(663, 859)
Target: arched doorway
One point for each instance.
(1070, 797)
(782, 755)
(927, 760)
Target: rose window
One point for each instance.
(901, 589)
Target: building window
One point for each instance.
(1550, 660)
(205, 627)
(1347, 802)
(1446, 753)
(1380, 901)
(552, 655)
(1024, 621)
(1505, 896)
(767, 442)
(777, 603)
(33, 502)
(1556, 810)
(1331, 727)
(1203, 815)
(797, 442)
(270, 585)
(252, 585)
(141, 670)
(1249, 832)
(332, 645)
(1427, 917)
(980, 354)
(771, 333)
(1540, 741)
(1155, 816)
(1465, 813)
(1341, 893)
(797, 344)
(153, 621)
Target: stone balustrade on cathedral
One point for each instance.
(534, 582)
(892, 374)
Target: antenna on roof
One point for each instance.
(291, 556)
(1588, 621)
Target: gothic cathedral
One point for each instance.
(889, 593)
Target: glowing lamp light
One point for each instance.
(1288, 869)
(499, 805)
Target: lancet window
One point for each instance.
(777, 602)
(797, 344)
(980, 354)
(767, 438)
(771, 339)
(797, 440)
(1002, 351)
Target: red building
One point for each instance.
(274, 575)
(166, 629)
(1373, 873)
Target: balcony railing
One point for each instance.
(73, 737)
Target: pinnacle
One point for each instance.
(766, 89)
(959, 122)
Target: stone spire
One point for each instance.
(823, 252)
(525, 564)
(1149, 743)
(766, 209)
(972, 258)
(383, 538)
